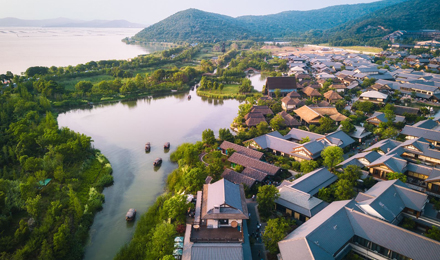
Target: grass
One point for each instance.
(209, 157)
(361, 48)
(229, 91)
(70, 83)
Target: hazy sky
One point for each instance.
(148, 11)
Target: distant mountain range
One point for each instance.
(65, 22)
(333, 23)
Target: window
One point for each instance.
(223, 221)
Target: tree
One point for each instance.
(277, 93)
(277, 123)
(221, 86)
(84, 86)
(274, 232)
(208, 137)
(308, 166)
(413, 94)
(162, 241)
(347, 126)
(61, 240)
(424, 111)
(396, 175)
(262, 128)
(327, 125)
(246, 86)
(175, 207)
(266, 197)
(225, 135)
(344, 190)
(434, 233)
(304, 140)
(326, 194)
(390, 116)
(351, 173)
(332, 155)
(33, 206)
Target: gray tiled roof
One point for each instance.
(262, 140)
(392, 161)
(217, 251)
(241, 149)
(370, 156)
(381, 116)
(313, 181)
(238, 178)
(299, 134)
(299, 201)
(341, 135)
(254, 173)
(421, 132)
(384, 145)
(224, 192)
(253, 163)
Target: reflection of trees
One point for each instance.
(130, 103)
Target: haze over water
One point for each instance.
(21, 48)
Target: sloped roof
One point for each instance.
(311, 92)
(309, 114)
(224, 192)
(254, 173)
(299, 201)
(381, 117)
(374, 94)
(281, 83)
(254, 121)
(246, 161)
(217, 251)
(241, 149)
(400, 110)
(265, 110)
(332, 95)
(238, 178)
(313, 181)
(323, 103)
(264, 140)
(288, 119)
(254, 115)
(293, 94)
(394, 162)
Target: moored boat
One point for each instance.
(157, 162)
(131, 214)
(166, 145)
(147, 147)
(189, 97)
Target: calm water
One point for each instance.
(22, 48)
(258, 81)
(120, 131)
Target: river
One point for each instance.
(22, 48)
(120, 131)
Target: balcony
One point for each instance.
(216, 235)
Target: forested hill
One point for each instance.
(196, 25)
(286, 23)
(409, 15)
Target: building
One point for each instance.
(284, 84)
(379, 117)
(311, 115)
(240, 149)
(428, 129)
(296, 197)
(332, 96)
(218, 229)
(364, 226)
(311, 92)
(289, 120)
(291, 145)
(248, 162)
(288, 103)
(374, 96)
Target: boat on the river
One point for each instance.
(131, 214)
(157, 162)
(166, 145)
(147, 147)
(189, 97)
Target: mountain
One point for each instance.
(65, 22)
(286, 23)
(196, 25)
(409, 15)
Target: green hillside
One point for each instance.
(290, 22)
(196, 25)
(410, 15)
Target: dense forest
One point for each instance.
(195, 25)
(341, 25)
(50, 181)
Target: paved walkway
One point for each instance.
(257, 248)
(201, 158)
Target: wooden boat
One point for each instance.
(147, 147)
(189, 97)
(131, 214)
(157, 162)
(166, 145)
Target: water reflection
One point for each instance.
(120, 130)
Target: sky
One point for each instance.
(148, 12)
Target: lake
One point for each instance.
(22, 48)
(258, 81)
(120, 131)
